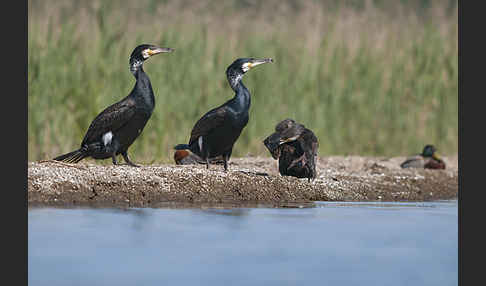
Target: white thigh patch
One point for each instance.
(107, 138)
(199, 142)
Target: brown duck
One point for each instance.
(428, 160)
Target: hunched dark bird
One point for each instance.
(295, 147)
(429, 159)
(215, 133)
(117, 127)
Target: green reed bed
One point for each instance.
(366, 81)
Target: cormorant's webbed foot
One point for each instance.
(225, 159)
(113, 159)
(125, 156)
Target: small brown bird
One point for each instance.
(186, 157)
(295, 147)
(428, 159)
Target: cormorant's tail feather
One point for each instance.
(181, 147)
(72, 157)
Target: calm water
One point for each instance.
(330, 244)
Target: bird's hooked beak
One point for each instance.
(155, 50)
(290, 139)
(255, 62)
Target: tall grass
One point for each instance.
(368, 77)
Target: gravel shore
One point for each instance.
(249, 181)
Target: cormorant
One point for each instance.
(428, 159)
(295, 147)
(117, 127)
(216, 132)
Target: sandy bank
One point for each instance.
(250, 180)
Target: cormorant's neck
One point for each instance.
(135, 66)
(234, 80)
(242, 98)
(143, 87)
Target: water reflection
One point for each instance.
(330, 244)
(227, 211)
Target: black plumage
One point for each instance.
(215, 133)
(117, 127)
(295, 147)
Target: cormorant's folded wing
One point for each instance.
(110, 119)
(208, 122)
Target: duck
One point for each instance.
(428, 159)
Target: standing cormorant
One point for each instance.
(216, 132)
(116, 127)
(295, 147)
(428, 159)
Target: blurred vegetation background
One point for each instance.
(371, 78)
